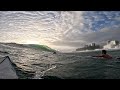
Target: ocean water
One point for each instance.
(36, 64)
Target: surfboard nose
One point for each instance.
(7, 71)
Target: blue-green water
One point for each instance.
(34, 64)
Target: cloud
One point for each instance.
(99, 37)
(60, 29)
(48, 25)
(96, 27)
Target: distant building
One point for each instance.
(86, 46)
(109, 45)
(92, 46)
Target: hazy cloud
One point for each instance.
(59, 29)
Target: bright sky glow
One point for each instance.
(61, 30)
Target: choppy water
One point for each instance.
(33, 64)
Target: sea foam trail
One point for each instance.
(38, 75)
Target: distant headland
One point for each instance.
(110, 44)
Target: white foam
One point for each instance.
(38, 75)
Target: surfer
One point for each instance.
(104, 55)
(54, 52)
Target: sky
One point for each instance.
(60, 30)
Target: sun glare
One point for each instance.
(31, 42)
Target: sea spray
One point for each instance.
(39, 74)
